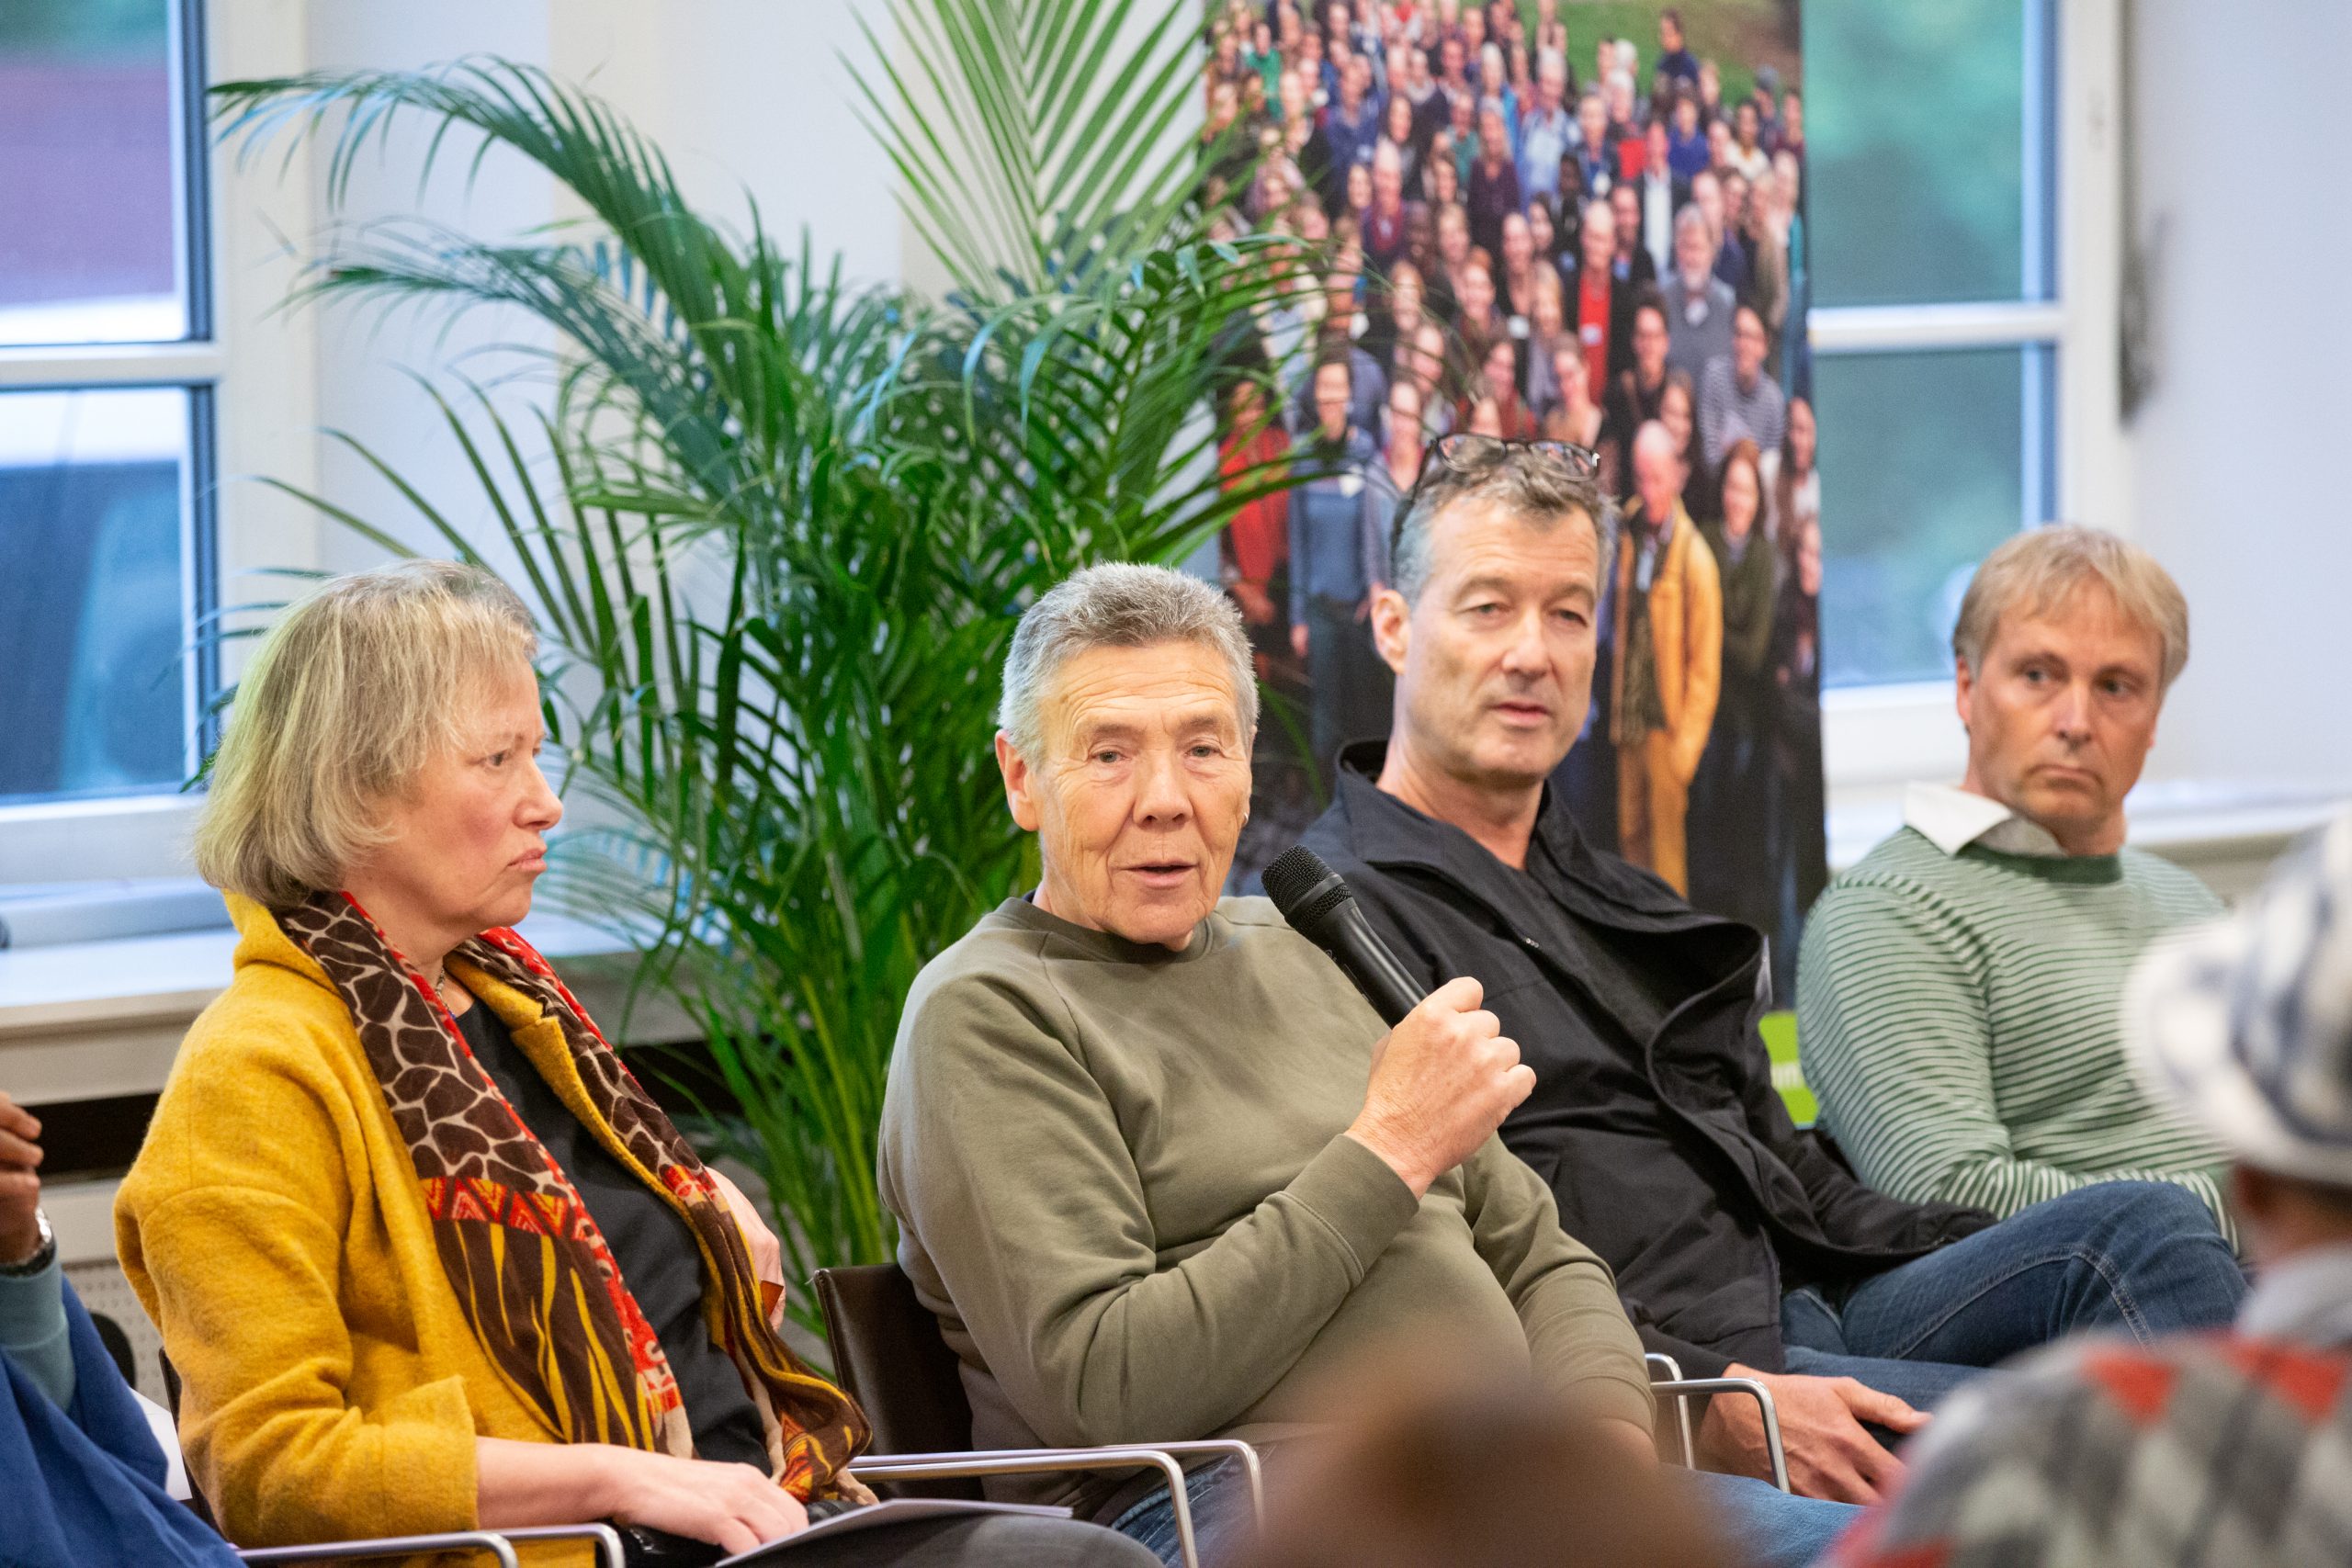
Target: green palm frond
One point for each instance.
(1038, 141)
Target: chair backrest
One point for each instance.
(888, 1356)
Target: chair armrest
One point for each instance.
(1684, 1387)
(609, 1550)
(1252, 1467)
(390, 1546)
(1666, 1368)
(1042, 1461)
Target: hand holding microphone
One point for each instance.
(1441, 1082)
(1446, 1075)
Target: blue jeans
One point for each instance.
(2143, 1257)
(1768, 1528)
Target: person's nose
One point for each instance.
(1525, 654)
(1160, 799)
(542, 807)
(2072, 714)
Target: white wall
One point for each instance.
(749, 99)
(2240, 455)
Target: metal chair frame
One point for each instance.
(499, 1543)
(1682, 1390)
(950, 1464)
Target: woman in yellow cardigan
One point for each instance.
(426, 1256)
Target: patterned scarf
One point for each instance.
(524, 1255)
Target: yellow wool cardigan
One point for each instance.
(275, 1230)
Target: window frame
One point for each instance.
(1877, 738)
(250, 370)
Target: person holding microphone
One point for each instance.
(1157, 1167)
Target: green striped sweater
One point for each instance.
(1959, 1017)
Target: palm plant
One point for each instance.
(778, 528)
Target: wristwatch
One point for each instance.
(43, 1255)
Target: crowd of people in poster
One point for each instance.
(1483, 239)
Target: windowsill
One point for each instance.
(83, 1020)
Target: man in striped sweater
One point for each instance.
(2195, 1451)
(1958, 990)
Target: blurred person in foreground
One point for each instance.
(1957, 987)
(2226, 1450)
(426, 1257)
(1156, 1166)
(83, 1479)
(1738, 1245)
(1431, 1470)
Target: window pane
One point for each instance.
(1919, 186)
(1927, 461)
(92, 596)
(89, 191)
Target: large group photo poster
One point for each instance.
(1559, 221)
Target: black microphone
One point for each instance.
(1320, 906)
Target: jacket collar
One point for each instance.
(1383, 831)
(261, 941)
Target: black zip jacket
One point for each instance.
(1654, 1118)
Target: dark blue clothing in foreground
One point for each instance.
(83, 1486)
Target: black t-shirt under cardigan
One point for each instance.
(651, 1243)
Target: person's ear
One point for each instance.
(1963, 687)
(1392, 628)
(1020, 784)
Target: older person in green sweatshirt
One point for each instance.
(1156, 1166)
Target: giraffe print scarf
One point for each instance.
(521, 1250)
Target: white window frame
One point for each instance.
(1874, 739)
(259, 366)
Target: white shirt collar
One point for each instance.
(1951, 819)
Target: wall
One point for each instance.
(2237, 457)
(749, 100)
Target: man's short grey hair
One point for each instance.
(2037, 572)
(1690, 217)
(1536, 489)
(1118, 605)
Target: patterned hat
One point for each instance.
(2247, 1023)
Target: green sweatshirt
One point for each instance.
(1122, 1181)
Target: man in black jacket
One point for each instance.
(1739, 1246)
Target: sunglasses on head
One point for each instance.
(1465, 452)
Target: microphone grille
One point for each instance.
(1304, 888)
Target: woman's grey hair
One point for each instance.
(1537, 489)
(352, 693)
(1118, 605)
(2037, 571)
